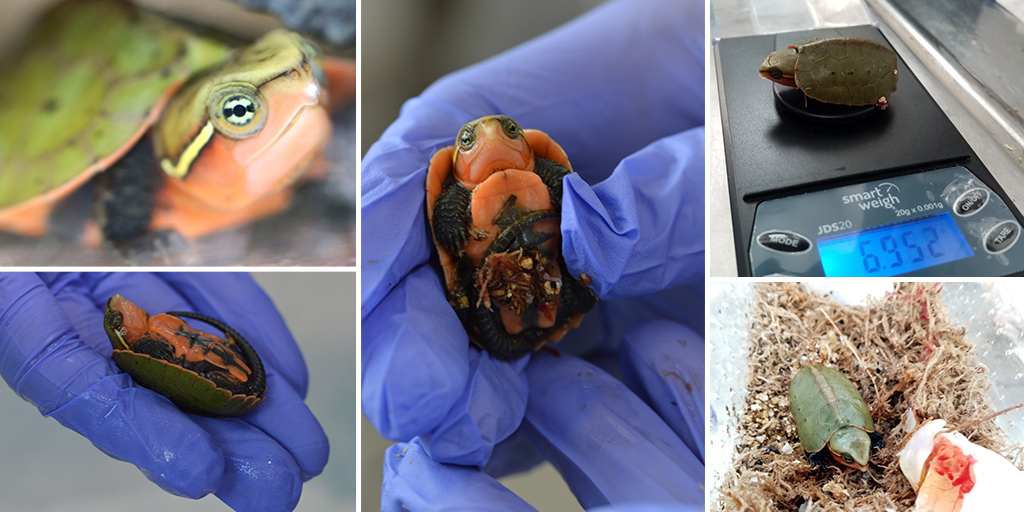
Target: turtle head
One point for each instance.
(850, 446)
(779, 66)
(124, 322)
(248, 127)
(488, 145)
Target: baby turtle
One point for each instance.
(186, 134)
(829, 411)
(844, 70)
(199, 372)
(494, 206)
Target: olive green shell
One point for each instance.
(845, 71)
(82, 88)
(186, 388)
(822, 401)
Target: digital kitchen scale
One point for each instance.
(826, 190)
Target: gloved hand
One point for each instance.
(620, 88)
(55, 354)
(614, 443)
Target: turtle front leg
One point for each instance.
(551, 173)
(128, 194)
(877, 441)
(820, 459)
(452, 218)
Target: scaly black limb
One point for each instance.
(492, 334)
(520, 234)
(821, 458)
(128, 195)
(491, 331)
(551, 173)
(452, 219)
(258, 382)
(507, 214)
(575, 297)
(877, 441)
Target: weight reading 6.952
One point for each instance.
(894, 249)
(890, 249)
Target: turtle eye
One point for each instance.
(236, 110)
(467, 137)
(510, 127)
(848, 459)
(775, 73)
(114, 320)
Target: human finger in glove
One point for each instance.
(614, 443)
(55, 354)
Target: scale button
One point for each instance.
(1002, 237)
(970, 202)
(784, 241)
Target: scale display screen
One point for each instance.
(894, 249)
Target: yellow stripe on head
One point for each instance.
(120, 339)
(190, 153)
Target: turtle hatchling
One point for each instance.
(199, 372)
(830, 413)
(494, 206)
(843, 71)
(184, 133)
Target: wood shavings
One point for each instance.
(900, 351)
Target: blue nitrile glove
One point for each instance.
(612, 446)
(55, 354)
(619, 88)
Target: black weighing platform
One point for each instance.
(828, 190)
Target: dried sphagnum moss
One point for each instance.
(900, 351)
